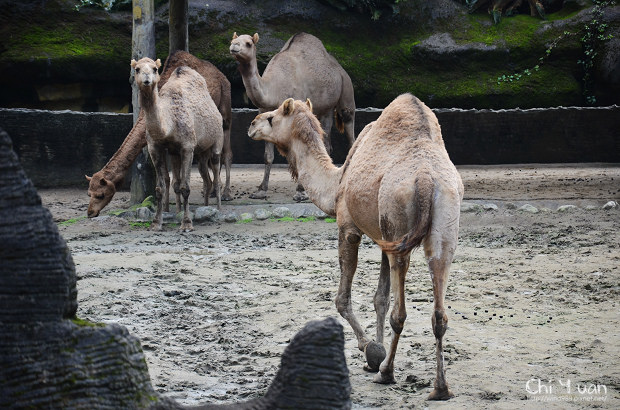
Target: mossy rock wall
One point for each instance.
(54, 57)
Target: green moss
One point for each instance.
(71, 221)
(85, 323)
(140, 224)
(244, 221)
(330, 220)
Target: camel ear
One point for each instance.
(255, 38)
(288, 106)
(88, 178)
(158, 63)
(133, 63)
(309, 104)
(235, 35)
(103, 182)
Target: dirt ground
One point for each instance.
(533, 299)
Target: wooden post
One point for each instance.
(142, 45)
(177, 22)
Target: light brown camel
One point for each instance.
(182, 121)
(104, 183)
(397, 186)
(302, 69)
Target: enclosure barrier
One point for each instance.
(56, 148)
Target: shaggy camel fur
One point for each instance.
(302, 69)
(397, 186)
(182, 121)
(104, 183)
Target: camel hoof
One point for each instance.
(375, 354)
(186, 228)
(384, 378)
(155, 227)
(440, 394)
(227, 197)
(259, 195)
(300, 196)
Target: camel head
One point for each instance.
(281, 125)
(243, 47)
(100, 191)
(147, 74)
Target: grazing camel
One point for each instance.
(397, 186)
(181, 120)
(302, 69)
(103, 184)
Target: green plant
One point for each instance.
(593, 35)
(330, 220)
(140, 224)
(375, 7)
(71, 221)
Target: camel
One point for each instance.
(105, 182)
(181, 120)
(302, 69)
(398, 187)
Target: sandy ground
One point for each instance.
(533, 298)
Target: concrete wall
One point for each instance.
(56, 148)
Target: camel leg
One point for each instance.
(262, 188)
(227, 156)
(166, 198)
(398, 270)
(382, 296)
(175, 160)
(349, 238)
(439, 250)
(326, 124)
(217, 185)
(187, 155)
(159, 162)
(203, 169)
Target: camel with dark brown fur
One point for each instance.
(105, 182)
(397, 186)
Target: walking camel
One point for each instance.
(397, 186)
(182, 120)
(103, 184)
(302, 69)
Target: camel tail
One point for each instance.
(339, 122)
(423, 208)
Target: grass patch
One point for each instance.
(330, 220)
(245, 221)
(300, 219)
(86, 323)
(71, 221)
(140, 224)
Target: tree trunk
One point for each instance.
(142, 45)
(177, 30)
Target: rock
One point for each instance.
(567, 208)
(169, 217)
(281, 212)
(246, 216)
(590, 207)
(206, 213)
(231, 217)
(470, 207)
(61, 361)
(320, 214)
(529, 209)
(127, 215)
(510, 206)
(144, 214)
(262, 214)
(489, 207)
(610, 205)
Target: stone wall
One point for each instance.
(56, 148)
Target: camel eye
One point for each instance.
(269, 120)
(100, 196)
(138, 70)
(248, 45)
(154, 70)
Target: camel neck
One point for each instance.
(149, 105)
(318, 175)
(254, 84)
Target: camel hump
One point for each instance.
(302, 41)
(407, 116)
